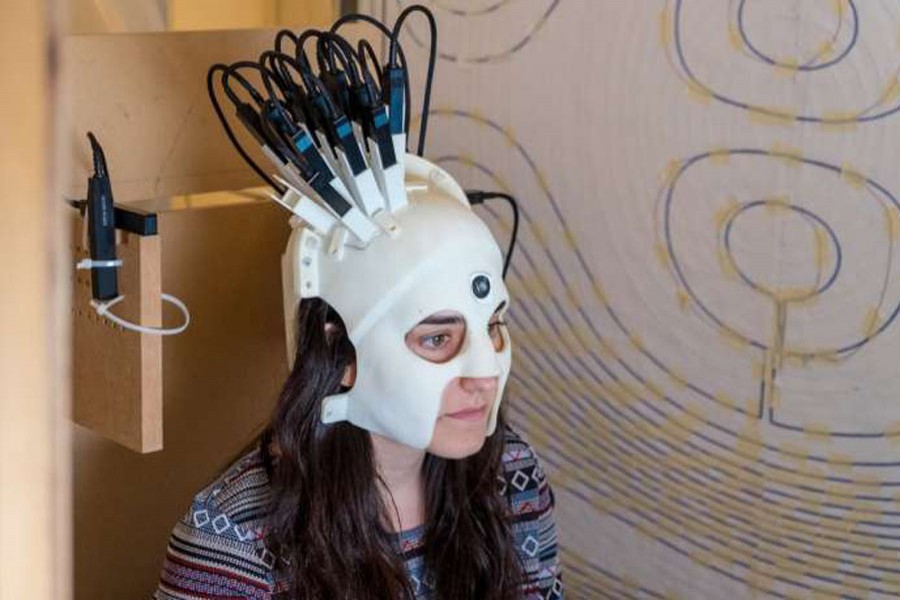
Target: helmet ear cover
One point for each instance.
(439, 257)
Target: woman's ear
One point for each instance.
(350, 370)
(349, 375)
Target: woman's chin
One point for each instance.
(455, 439)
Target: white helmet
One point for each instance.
(432, 254)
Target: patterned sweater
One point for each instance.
(216, 550)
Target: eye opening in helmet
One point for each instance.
(439, 337)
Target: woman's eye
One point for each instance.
(437, 338)
(433, 342)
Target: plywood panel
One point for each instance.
(114, 16)
(197, 15)
(145, 97)
(117, 373)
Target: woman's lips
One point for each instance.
(469, 414)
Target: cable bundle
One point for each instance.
(335, 127)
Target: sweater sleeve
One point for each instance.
(209, 556)
(531, 500)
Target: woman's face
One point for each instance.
(466, 402)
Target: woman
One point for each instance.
(387, 470)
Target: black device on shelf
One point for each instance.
(101, 227)
(103, 218)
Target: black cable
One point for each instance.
(339, 81)
(394, 38)
(300, 108)
(270, 131)
(279, 74)
(232, 70)
(282, 34)
(306, 95)
(371, 21)
(283, 75)
(326, 59)
(280, 60)
(255, 117)
(333, 108)
(367, 54)
(316, 90)
(314, 84)
(210, 88)
(277, 139)
(372, 82)
(478, 197)
(361, 76)
(350, 18)
(392, 62)
(269, 75)
(330, 45)
(311, 93)
(306, 71)
(98, 156)
(283, 58)
(432, 58)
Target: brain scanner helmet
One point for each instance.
(385, 237)
(433, 254)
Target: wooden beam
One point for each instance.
(35, 506)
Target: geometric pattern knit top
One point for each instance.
(216, 550)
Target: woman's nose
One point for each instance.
(479, 384)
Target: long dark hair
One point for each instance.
(327, 519)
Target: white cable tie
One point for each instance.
(87, 263)
(102, 309)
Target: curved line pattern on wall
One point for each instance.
(773, 352)
(468, 11)
(822, 58)
(495, 10)
(885, 104)
(636, 441)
